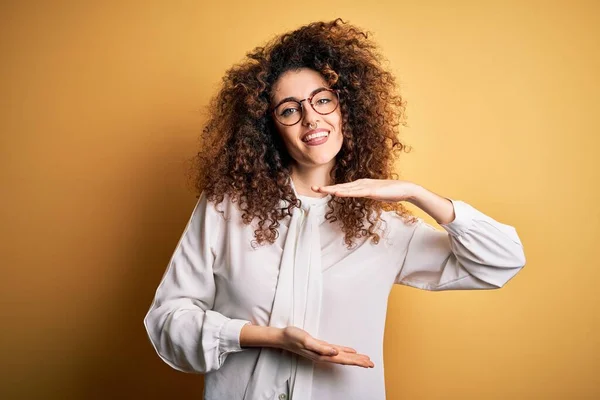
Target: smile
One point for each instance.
(315, 137)
(308, 138)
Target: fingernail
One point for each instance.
(333, 352)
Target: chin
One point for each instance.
(323, 160)
(322, 157)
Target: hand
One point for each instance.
(388, 190)
(301, 342)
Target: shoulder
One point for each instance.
(220, 210)
(395, 220)
(399, 228)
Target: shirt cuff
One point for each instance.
(229, 337)
(463, 218)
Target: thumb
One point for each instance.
(324, 349)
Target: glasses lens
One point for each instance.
(325, 102)
(288, 113)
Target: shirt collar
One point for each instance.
(309, 202)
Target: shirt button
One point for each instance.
(282, 396)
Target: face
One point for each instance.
(316, 139)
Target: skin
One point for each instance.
(311, 163)
(310, 174)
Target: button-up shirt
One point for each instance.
(219, 279)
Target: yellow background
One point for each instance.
(100, 109)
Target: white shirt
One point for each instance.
(217, 281)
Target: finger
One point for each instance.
(338, 347)
(365, 361)
(347, 349)
(343, 359)
(324, 189)
(322, 348)
(330, 188)
(359, 360)
(348, 358)
(361, 192)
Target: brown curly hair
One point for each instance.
(242, 155)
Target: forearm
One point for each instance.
(260, 336)
(440, 208)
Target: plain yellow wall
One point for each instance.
(100, 109)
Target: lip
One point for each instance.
(311, 132)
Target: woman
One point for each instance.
(278, 287)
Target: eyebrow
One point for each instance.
(295, 99)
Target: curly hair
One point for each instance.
(243, 157)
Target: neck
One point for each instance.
(305, 177)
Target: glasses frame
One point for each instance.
(337, 94)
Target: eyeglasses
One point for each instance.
(290, 112)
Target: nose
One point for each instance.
(309, 115)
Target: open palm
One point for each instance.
(388, 190)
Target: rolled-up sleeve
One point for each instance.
(474, 252)
(184, 330)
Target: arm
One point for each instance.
(475, 252)
(184, 330)
(298, 341)
(261, 336)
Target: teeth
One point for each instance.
(315, 135)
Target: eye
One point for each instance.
(323, 101)
(288, 111)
